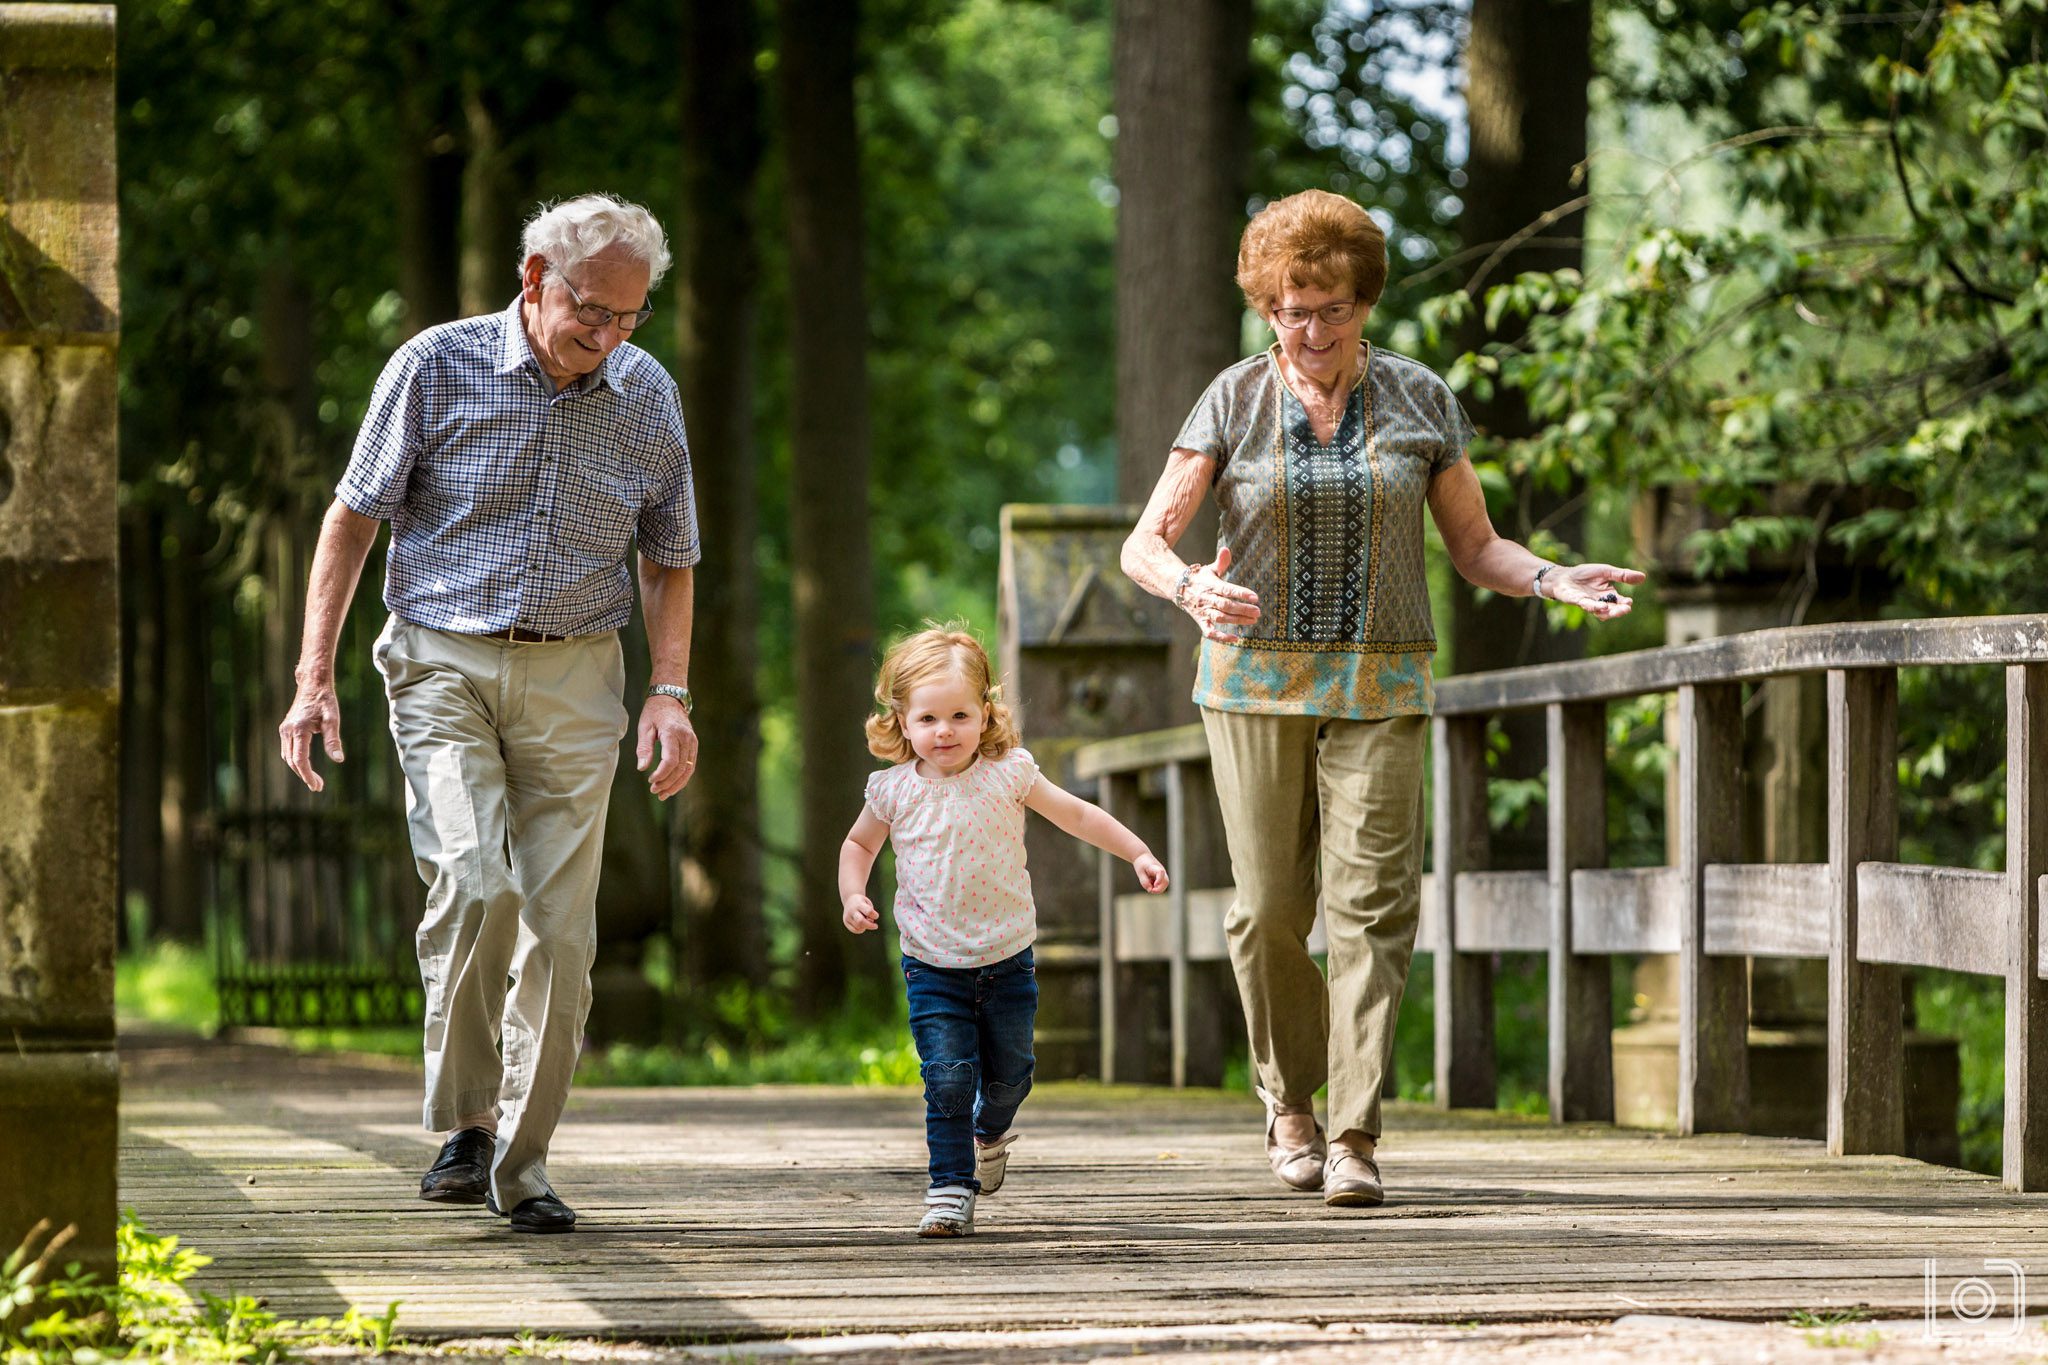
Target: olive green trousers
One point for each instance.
(1330, 812)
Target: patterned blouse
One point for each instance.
(1328, 536)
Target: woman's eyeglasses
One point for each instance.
(1332, 314)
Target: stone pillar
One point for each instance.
(1085, 655)
(59, 628)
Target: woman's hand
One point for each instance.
(1593, 588)
(1215, 604)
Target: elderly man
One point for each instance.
(517, 457)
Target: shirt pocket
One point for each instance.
(597, 507)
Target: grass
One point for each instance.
(1836, 1327)
(876, 1054)
(166, 985)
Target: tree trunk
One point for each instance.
(1528, 63)
(303, 896)
(633, 892)
(1182, 71)
(184, 796)
(496, 185)
(142, 736)
(718, 819)
(430, 173)
(831, 570)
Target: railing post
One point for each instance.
(1581, 990)
(1177, 913)
(1713, 993)
(1105, 884)
(1866, 1045)
(2026, 859)
(1464, 982)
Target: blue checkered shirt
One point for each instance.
(512, 504)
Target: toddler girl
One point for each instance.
(954, 807)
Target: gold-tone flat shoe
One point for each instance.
(1351, 1181)
(1299, 1168)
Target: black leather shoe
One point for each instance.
(542, 1213)
(462, 1173)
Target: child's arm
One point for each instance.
(856, 859)
(1086, 820)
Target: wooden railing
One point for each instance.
(1862, 911)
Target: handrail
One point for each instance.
(1752, 654)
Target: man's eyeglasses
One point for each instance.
(1332, 314)
(591, 315)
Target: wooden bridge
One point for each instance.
(777, 1213)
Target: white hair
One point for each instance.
(568, 233)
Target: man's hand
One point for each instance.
(315, 711)
(859, 915)
(666, 725)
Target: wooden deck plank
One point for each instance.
(735, 1214)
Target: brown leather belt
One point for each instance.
(520, 635)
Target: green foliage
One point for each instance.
(750, 1037)
(1869, 331)
(1971, 1009)
(871, 1056)
(151, 1314)
(167, 984)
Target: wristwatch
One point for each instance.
(1536, 587)
(681, 694)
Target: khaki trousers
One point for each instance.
(1332, 809)
(508, 751)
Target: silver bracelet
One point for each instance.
(1536, 586)
(1180, 589)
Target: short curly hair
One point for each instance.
(946, 651)
(1316, 240)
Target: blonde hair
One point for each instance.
(1314, 239)
(937, 652)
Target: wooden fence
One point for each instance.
(1863, 912)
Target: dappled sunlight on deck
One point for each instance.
(766, 1213)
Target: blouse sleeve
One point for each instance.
(881, 796)
(1207, 430)
(1021, 770)
(1457, 429)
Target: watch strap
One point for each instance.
(673, 691)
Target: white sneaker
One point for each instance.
(948, 1212)
(991, 1161)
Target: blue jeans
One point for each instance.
(972, 1026)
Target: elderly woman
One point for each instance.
(1314, 679)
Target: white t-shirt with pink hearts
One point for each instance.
(963, 898)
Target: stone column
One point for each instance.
(59, 628)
